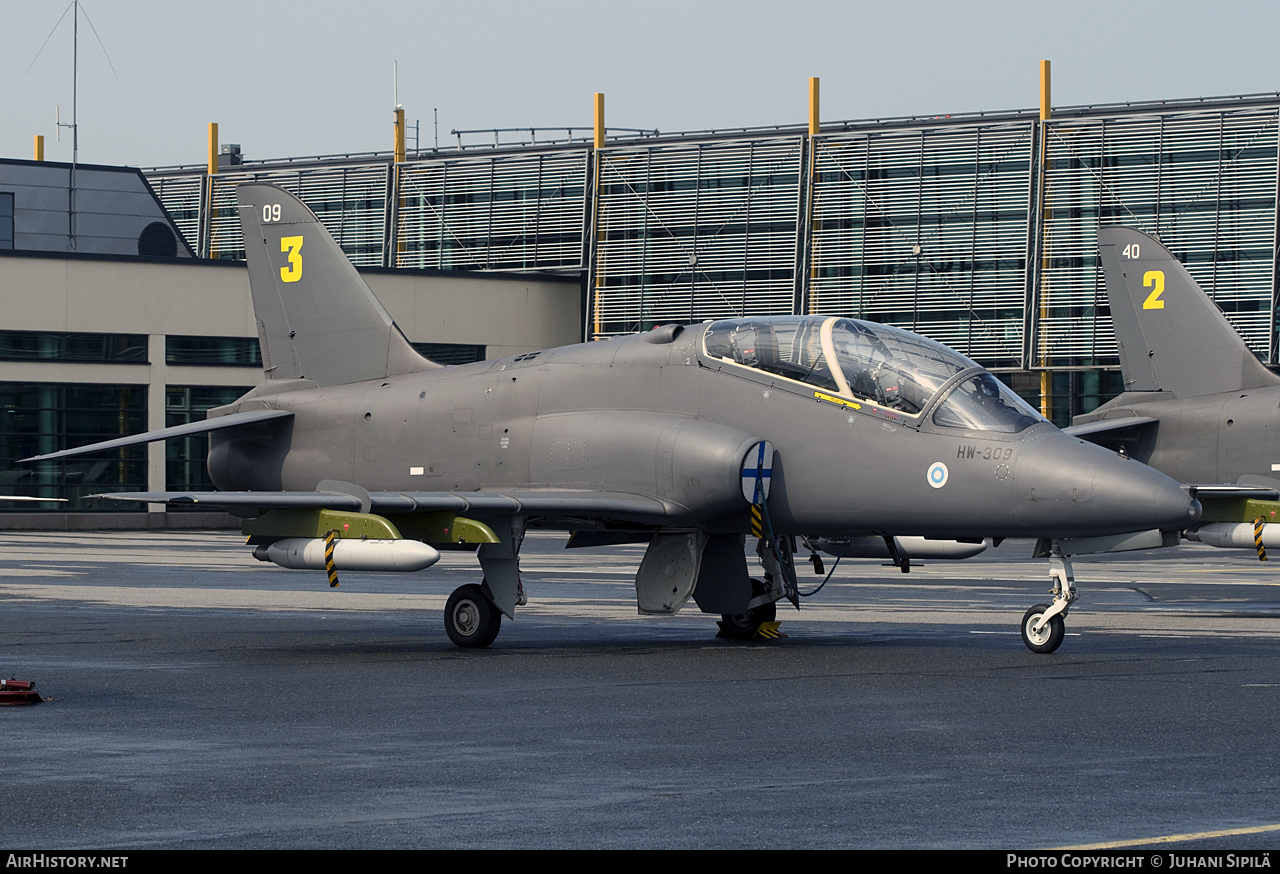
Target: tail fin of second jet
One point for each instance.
(1171, 336)
(317, 319)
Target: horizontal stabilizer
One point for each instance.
(1229, 492)
(1092, 429)
(217, 424)
(1253, 480)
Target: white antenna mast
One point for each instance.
(73, 7)
(75, 82)
(75, 73)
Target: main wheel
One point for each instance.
(470, 619)
(743, 626)
(1047, 639)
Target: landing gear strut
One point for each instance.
(1043, 626)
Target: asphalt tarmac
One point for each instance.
(203, 699)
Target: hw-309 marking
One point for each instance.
(985, 453)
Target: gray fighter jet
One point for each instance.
(357, 453)
(1197, 405)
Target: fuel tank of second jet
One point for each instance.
(875, 430)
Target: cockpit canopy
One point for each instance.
(887, 366)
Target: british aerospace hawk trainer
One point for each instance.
(1197, 404)
(358, 453)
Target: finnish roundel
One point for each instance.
(757, 470)
(937, 475)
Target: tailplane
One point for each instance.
(1171, 336)
(317, 319)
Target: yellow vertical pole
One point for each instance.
(599, 144)
(1046, 378)
(213, 171)
(814, 125)
(397, 147)
(39, 147)
(213, 148)
(813, 106)
(399, 135)
(599, 100)
(1044, 91)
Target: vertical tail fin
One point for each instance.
(1172, 337)
(317, 319)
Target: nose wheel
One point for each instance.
(1039, 636)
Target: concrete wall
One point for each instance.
(508, 314)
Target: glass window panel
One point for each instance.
(50, 346)
(233, 351)
(38, 418)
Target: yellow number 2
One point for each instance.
(293, 272)
(1149, 279)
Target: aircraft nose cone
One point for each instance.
(1130, 492)
(1083, 489)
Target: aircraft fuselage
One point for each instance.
(1215, 438)
(667, 420)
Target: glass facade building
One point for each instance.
(979, 231)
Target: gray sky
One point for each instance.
(291, 78)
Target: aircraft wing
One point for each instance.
(233, 421)
(1230, 492)
(1090, 430)
(550, 502)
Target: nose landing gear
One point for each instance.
(1044, 626)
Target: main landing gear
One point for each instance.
(777, 559)
(1044, 626)
(473, 614)
(743, 626)
(470, 618)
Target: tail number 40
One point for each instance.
(1152, 279)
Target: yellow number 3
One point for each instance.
(293, 272)
(1149, 279)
